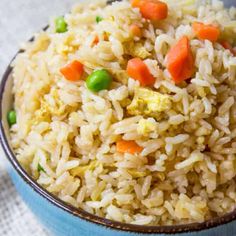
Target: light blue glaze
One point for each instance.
(61, 223)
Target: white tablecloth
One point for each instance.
(19, 19)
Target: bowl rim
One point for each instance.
(83, 215)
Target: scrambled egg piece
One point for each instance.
(57, 108)
(146, 126)
(137, 50)
(42, 114)
(65, 45)
(64, 49)
(47, 110)
(138, 174)
(148, 102)
(80, 170)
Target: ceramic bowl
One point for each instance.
(64, 220)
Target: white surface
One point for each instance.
(19, 19)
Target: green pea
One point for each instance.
(99, 80)
(61, 25)
(11, 117)
(98, 19)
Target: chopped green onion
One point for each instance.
(40, 168)
(11, 117)
(98, 19)
(61, 25)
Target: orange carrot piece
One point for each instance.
(138, 70)
(228, 46)
(106, 37)
(95, 41)
(151, 9)
(209, 32)
(176, 57)
(180, 61)
(135, 30)
(137, 3)
(154, 10)
(225, 44)
(187, 71)
(73, 71)
(131, 147)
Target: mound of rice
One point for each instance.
(65, 135)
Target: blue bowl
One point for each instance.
(65, 220)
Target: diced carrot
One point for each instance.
(95, 41)
(180, 61)
(154, 10)
(131, 147)
(138, 70)
(187, 71)
(209, 32)
(228, 46)
(135, 30)
(177, 57)
(106, 37)
(151, 9)
(137, 3)
(73, 71)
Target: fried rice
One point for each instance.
(65, 135)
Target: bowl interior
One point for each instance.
(7, 104)
(6, 98)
